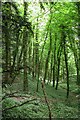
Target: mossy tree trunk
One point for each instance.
(6, 48)
(37, 57)
(25, 44)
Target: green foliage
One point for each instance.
(33, 110)
(60, 106)
(63, 111)
(27, 31)
(13, 113)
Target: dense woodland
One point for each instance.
(40, 59)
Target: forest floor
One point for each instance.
(33, 105)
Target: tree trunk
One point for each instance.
(7, 51)
(66, 59)
(51, 68)
(78, 62)
(25, 43)
(54, 67)
(50, 48)
(33, 74)
(37, 58)
(58, 70)
(47, 59)
(66, 62)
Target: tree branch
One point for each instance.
(18, 105)
(46, 100)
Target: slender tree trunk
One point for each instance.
(54, 64)
(25, 82)
(78, 62)
(7, 55)
(6, 76)
(15, 58)
(58, 63)
(33, 74)
(75, 52)
(58, 70)
(48, 76)
(66, 60)
(51, 68)
(41, 55)
(37, 58)
(78, 65)
(47, 59)
(25, 43)
(63, 77)
(46, 100)
(49, 51)
(29, 57)
(7, 52)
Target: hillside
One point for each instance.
(60, 106)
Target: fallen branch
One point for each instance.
(8, 95)
(18, 105)
(46, 100)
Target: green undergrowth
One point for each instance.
(60, 106)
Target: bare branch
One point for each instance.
(46, 100)
(18, 105)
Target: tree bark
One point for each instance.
(49, 51)
(54, 64)
(66, 58)
(58, 69)
(78, 62)
(25, 43)
(37, 58)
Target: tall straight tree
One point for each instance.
(65, 56)
(25, 42)
(37, 57)
(54, 62)
(78, 63)
(58, 68)
(50, 48)
(6, 42)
